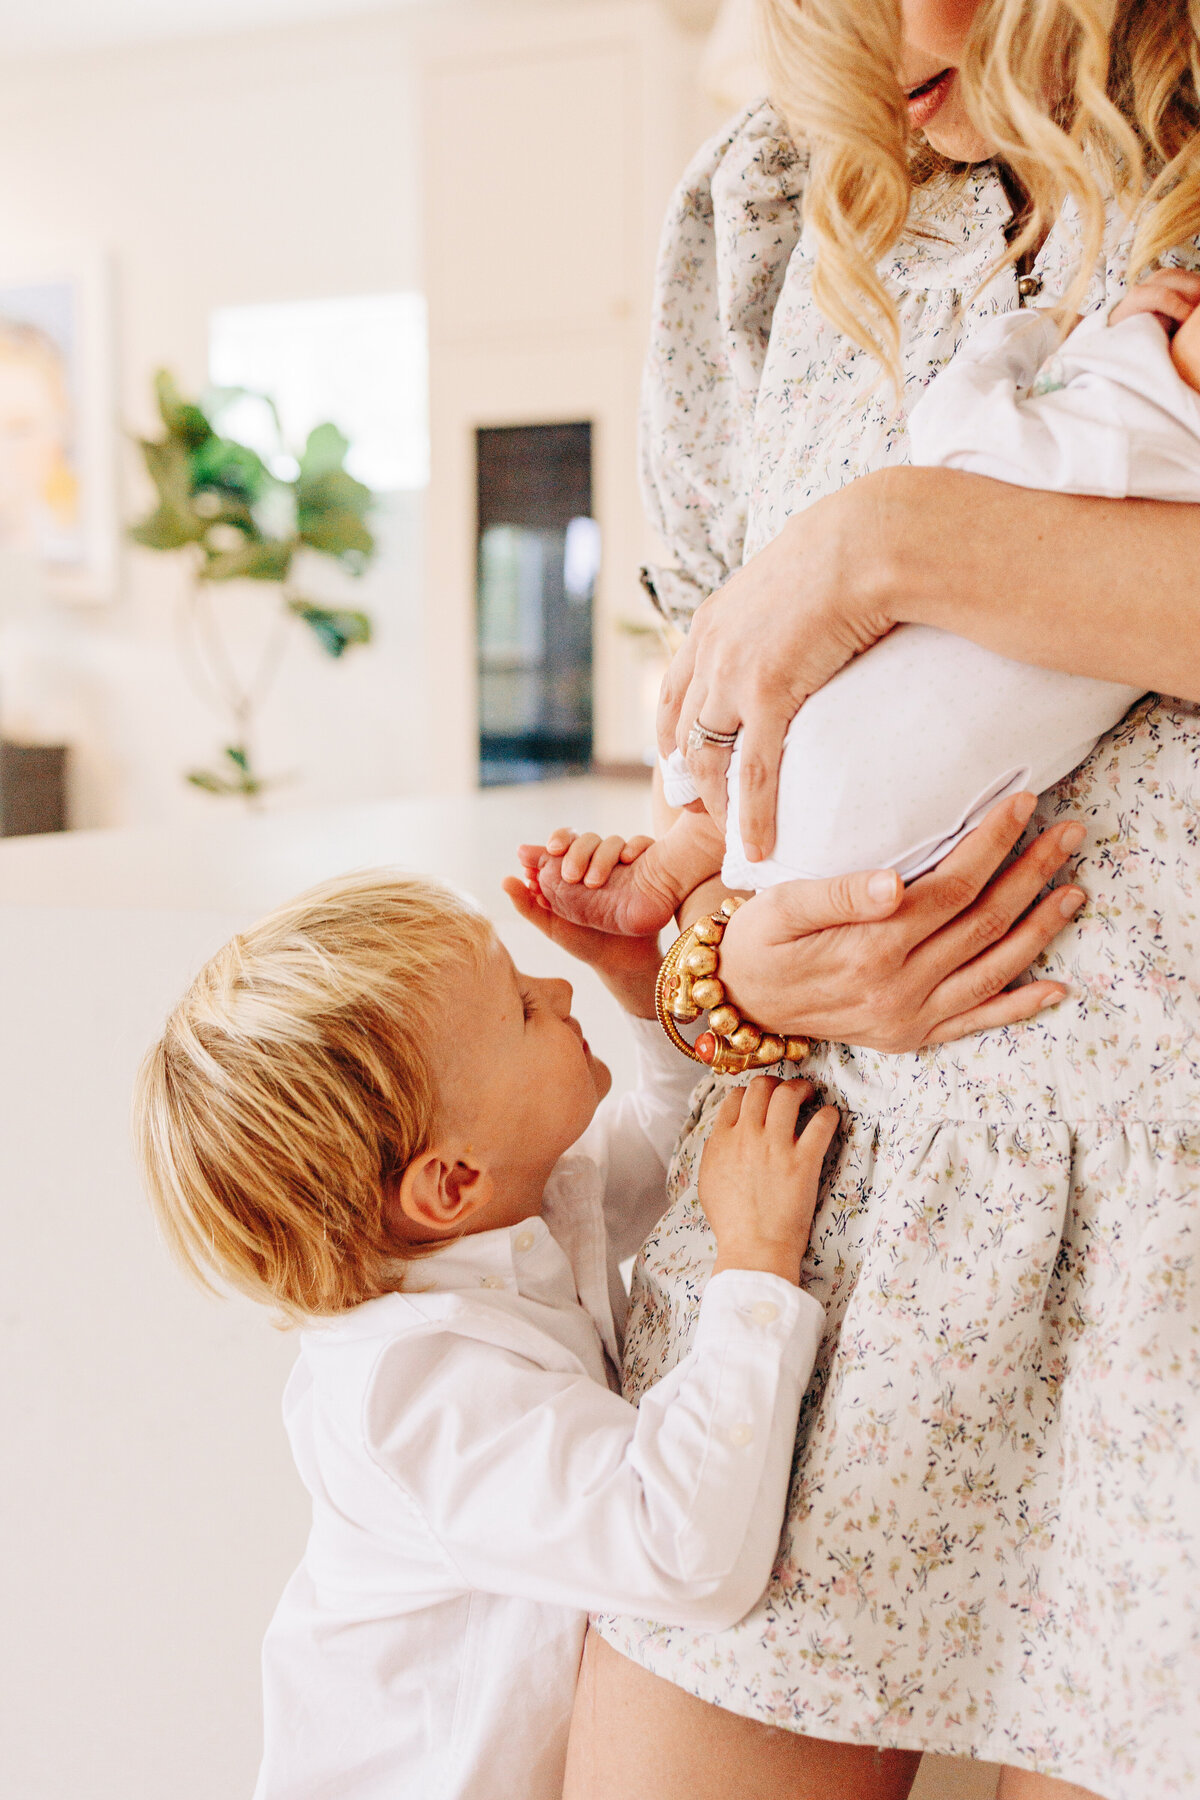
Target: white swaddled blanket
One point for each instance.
(901, 754)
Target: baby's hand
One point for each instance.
(1172, 295)
(628, 966)
(612, 884)
(759, 1181)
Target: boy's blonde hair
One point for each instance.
(293, 1082)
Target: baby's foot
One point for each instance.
(636, 899)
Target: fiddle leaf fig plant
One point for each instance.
(239, 519)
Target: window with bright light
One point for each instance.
(360, 362)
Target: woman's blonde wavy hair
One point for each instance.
(1121, 117)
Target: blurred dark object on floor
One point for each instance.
(33, 788)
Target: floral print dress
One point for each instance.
(993, 1534)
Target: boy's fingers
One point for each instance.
(817, 1136)
(634, 848)
(757, 1098)
(532, 908)
(560, 840)
(577, 858)
(604, 861)
(730, 1109)
(783, 1108)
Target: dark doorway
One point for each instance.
(538, 556)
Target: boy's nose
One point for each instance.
(562, 997)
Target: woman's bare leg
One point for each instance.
(1019, 1784)
(635, 1734)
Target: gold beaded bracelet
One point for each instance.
(688, 984)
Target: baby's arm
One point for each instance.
(627, 888)
(558, 1490)
(1173, 297)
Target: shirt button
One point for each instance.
(525, 1241)
(740, 1435)
(1028, 286)
(492, 1281)
(764, 1312)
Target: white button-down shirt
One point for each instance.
(478, 1484)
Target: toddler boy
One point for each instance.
(362, 1114)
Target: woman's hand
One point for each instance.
(774, 634)
(1066, 581)
(897, 969)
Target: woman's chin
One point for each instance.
(958, 140)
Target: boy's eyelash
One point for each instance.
(527, 1006)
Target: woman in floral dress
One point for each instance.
(993, 1541)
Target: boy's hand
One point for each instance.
(1172, 295)
(628, 966)
(759, 1181)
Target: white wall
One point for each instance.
(285, 165)
(262, 167)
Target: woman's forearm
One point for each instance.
(1106, 588)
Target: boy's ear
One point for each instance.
(435, 1197)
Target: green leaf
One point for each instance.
(336, 533)
(257, 559)
(324, 452)
(241, 781)
(230, 468)
(183, 419)
(335, 628)
(174, 523)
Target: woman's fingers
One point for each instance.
(758, 785)
(675, 684)
(989, 974)
(604, 860)
(989, 920)
(961, 877)
(1010, 1008)
(801, 907)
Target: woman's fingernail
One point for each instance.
(1022, 808)
(1054, 999)
(753, 853)
(1071, 836)
(883, 886)
(1070, 901)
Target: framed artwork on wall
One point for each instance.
(57, 423)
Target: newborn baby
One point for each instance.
(903, 752)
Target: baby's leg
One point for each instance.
(902, 753)
(640, 897)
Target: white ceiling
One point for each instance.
(48, 25)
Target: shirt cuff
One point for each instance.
(750, 1303)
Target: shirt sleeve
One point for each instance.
(634, 1135)
(544, 1484)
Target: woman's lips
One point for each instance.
(926, 100)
